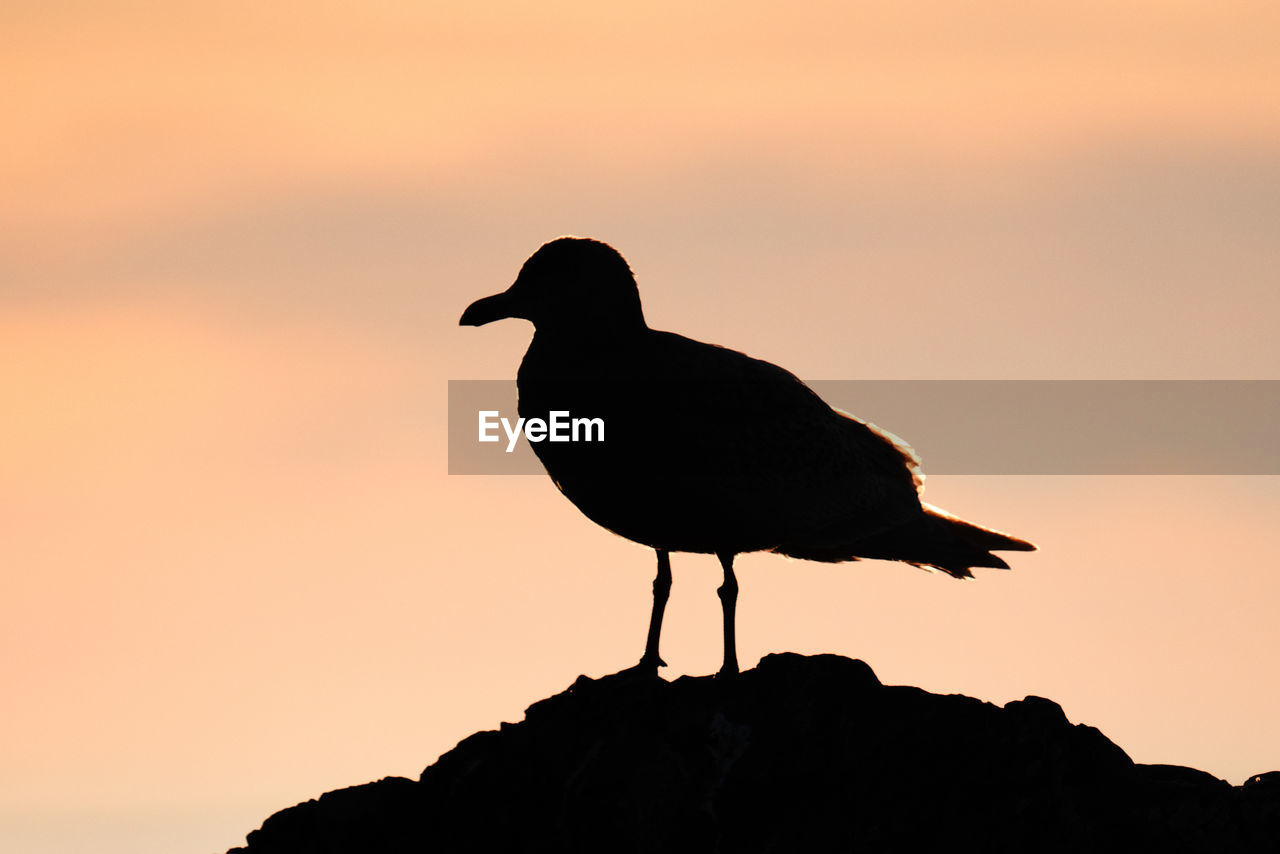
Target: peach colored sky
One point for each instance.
(234, 244)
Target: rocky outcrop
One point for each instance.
(799, 754)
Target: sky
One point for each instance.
(235, 240)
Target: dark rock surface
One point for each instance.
(806, 754)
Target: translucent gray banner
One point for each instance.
(1064, 427)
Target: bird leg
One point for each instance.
(728, 593)
(661, 592)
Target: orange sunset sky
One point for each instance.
(235, 240)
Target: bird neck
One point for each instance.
(596, 333)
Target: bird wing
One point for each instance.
(707, 449)
(768, 450)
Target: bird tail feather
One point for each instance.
(933, 539)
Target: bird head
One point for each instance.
(572, 284)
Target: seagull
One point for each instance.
(705, 449)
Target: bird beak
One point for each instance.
(489, 309)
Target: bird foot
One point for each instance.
(646, 667)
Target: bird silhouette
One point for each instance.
(706, 449)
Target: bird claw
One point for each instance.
(645, 669)
(650, 662)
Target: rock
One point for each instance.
(803, 753)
